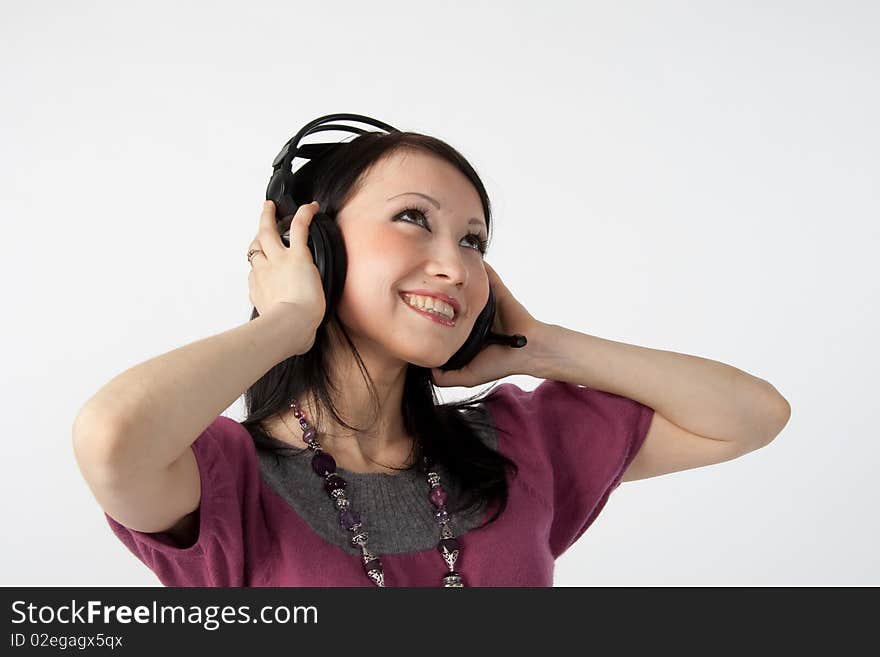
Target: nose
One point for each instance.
(447, 261)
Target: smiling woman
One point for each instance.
(347, 470)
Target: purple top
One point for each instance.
(571, 443)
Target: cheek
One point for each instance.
(375, 259)
(480, 293)
(369, 279)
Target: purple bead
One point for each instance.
(438, 496)
(349, 519)
(323, 464)
(450, 544)
(332, 482)
(297, 414)
(441, 516)
(309, 434)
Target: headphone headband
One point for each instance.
(281, 189)
(293, 150)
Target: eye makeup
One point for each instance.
(414, 210)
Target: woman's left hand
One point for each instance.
(496, 361)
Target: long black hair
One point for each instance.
(448, 432)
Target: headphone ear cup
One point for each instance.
(327, 247)
(476, 341)
(328, 251)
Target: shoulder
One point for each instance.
(508, 402)
(226, 431)
(560, 417)
(565, 400)
(225, 441)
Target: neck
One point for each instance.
(379, 437)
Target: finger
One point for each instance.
(257, 258)
(299, 226)
(267, 234)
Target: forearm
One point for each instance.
(148, 415)
(704, 396)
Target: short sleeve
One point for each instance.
(575, 443)
(229, 495)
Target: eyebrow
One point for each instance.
(436, 204)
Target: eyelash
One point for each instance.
(481, 244)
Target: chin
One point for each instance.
(425, 361)
(421, 358)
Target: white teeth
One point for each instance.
(430, 304)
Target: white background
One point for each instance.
(693, 177)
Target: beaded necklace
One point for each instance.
(324, 466)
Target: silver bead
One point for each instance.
(341, 502)
(452, 580)
(446, 531)
(450, 557)
(360, 538)
(336, 493)
(377, 576)
(433, 479)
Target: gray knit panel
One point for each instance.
(395, 509)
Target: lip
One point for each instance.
(434, 318)
(456, 306)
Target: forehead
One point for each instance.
(416, 171)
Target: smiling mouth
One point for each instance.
(439, 319)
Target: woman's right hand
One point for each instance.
(286, 278)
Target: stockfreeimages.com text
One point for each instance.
(210, 617)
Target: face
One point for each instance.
(397, 242)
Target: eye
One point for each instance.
(414, 212)
(422, 218)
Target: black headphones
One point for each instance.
(289, 191)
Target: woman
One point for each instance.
(347, 471)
